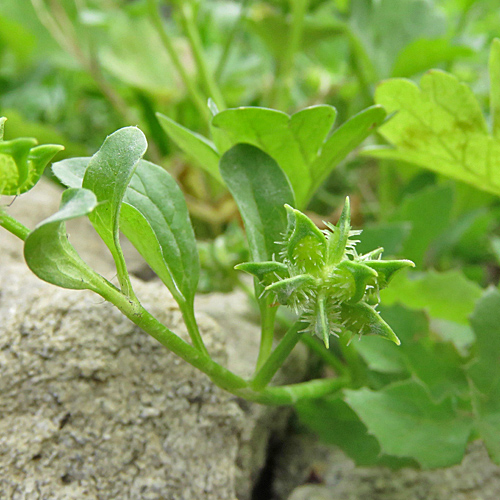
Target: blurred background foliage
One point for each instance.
(73, 71)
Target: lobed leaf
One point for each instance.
(407, 423)
(344, 140)
(293, 142)
(440, 126)
(447, 295)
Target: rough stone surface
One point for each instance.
(303, 459)
(93, 408)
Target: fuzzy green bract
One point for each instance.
(322, 277)
(22, 162)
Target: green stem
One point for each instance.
(142, 318)
(273, 362)
(220, 376)
(319, 348)
(187, 311)
(229, 40)
(267, 315)
(284, 70)
(191, 30)
(293, 393)
(193, 91)
(386, 189)
(13, 226)
(355, 364)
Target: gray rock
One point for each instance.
(91, 407)
(476, 478)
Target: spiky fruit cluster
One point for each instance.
(320, 275)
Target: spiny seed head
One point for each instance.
(321, 275)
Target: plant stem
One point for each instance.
(191, 31)
(13, 226)
(277, 357)
(319, 348)
(187, 310)
(145, 320)
(193, 91)
(293, 393)
(229, 40)
(281, 87)
(267, 315)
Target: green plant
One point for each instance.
(119, 191)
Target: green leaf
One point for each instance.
(107, 175)
(380, 28)
(494, 67)
(261, 190)
(48, 252)
(336, 423)
(407, 423)
(293, 141)
(154, 217)
(22, 163)
(440, 126)
(391, 236)
(344, 140)
(71, 171)
(194, 145)
(429, 212)
(448, 295)
(484, 372)
(364, 319)
(423, 54)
